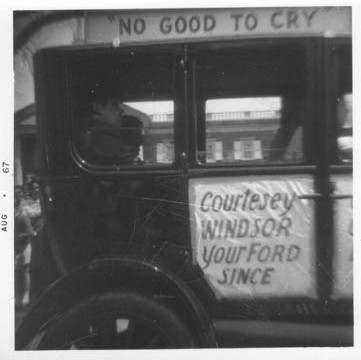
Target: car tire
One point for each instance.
(116, 320)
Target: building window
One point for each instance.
(248, 149)
(214, 150)
(165, 152)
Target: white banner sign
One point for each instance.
(343, 249)
(163, 25)
(254, 236)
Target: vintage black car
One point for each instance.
(232, 226)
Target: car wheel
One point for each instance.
(116, 321)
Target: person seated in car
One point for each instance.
(110, 137)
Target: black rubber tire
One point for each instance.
(117, 321)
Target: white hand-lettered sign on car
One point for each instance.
(182, 24)
(254, 237)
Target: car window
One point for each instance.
(124, 109)
(255, 104)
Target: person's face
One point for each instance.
(129, 153)
(35, 191)
(133, 140)
(28, 179)
(109, 112)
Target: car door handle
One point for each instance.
(314, 196)
(341, 196)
